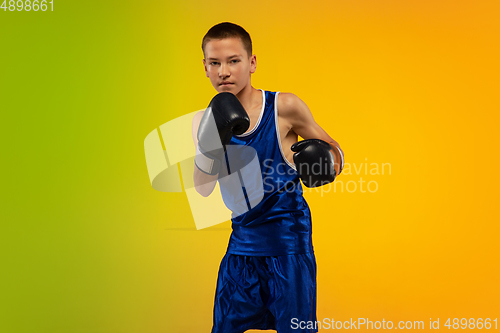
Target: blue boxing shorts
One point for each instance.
(265, 293)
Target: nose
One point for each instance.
(224, 71)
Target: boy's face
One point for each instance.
(228, 65)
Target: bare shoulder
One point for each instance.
(289, 103)
(293, 109)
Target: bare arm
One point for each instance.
(203, 183)
(298, 118)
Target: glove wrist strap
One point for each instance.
(206, 163)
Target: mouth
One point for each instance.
(225, 83)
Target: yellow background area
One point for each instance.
(87, 245)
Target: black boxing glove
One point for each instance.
(224, 117)
(315, 162)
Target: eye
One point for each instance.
(214, 63)
(234, 61)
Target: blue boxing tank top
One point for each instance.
(270, 216)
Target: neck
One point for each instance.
(248, 97)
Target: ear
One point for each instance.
(253, 63)
(205, 65)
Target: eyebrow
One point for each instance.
(233, 56)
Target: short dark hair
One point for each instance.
(228, 30)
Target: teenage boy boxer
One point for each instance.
(268, 275)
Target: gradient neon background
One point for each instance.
(87, 244)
